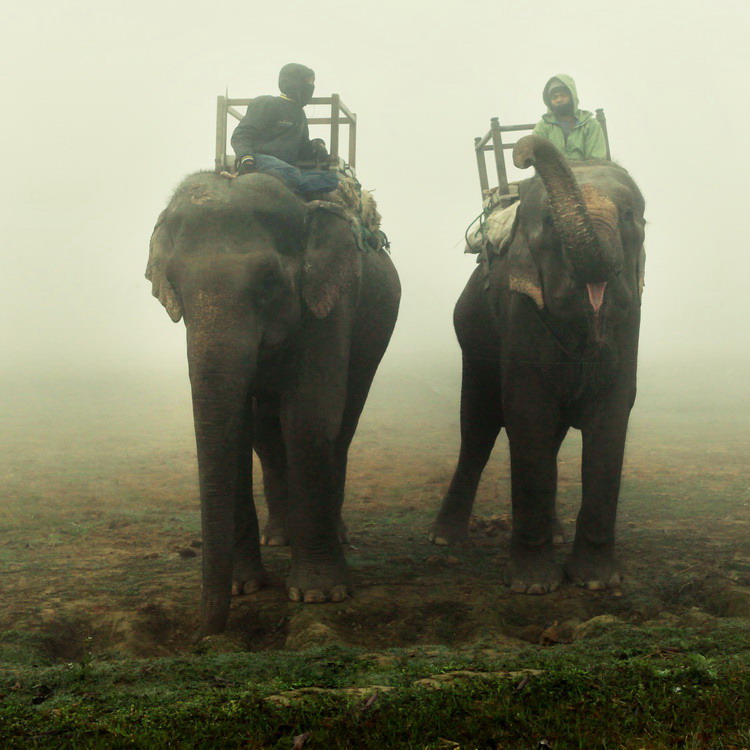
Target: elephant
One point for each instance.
(287, 320)
(548, 328)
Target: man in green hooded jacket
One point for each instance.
(574, 131)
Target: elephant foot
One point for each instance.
(248, 577)
(533, 572)
(316, 583)
(448, 529)
(595, 569)
(275, 533)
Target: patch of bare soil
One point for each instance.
(100, 544)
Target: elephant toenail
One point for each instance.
(536, 589)
(596, 585)
(338, 594)
(518, 587)
(295, 595)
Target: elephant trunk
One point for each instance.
(585, 242)
(222, 369)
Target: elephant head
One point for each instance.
(577, 244)
(256, 240)
(244, 262)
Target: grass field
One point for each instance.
(100, 559)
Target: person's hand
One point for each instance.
(247, 165)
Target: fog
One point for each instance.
(108, 106)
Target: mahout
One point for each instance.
(548, 328)
(287, 319)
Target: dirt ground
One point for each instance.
(100, 541)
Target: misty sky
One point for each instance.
(108, 105)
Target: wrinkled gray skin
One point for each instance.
(286, 324)
(538, 359)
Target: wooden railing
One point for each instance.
(493, 141)
(340, 115)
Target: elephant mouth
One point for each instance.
(597, 324)
(596, 295)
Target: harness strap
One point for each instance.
(365, 239)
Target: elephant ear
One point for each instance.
(160, 250)
(523, 274)
(332, 263)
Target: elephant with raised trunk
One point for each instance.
(287, 320)
(548, 328)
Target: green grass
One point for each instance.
(624, 688)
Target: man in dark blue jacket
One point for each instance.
(273, 135)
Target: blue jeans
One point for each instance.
(295, 179)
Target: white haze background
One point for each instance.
(106, 106)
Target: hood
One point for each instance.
(292, 83)
(565, 80)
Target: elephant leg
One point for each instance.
(319, 572)
(534, 445)
(592, 562)
(342, 455)
(374, 322)
(248, 574)
(311, 418)
(481, 421)
(269, 445)
(558, 536)
(362, 369)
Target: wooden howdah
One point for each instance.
(493, 141)
(339, 115)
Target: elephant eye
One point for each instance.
(548, 221)
(629, 214)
